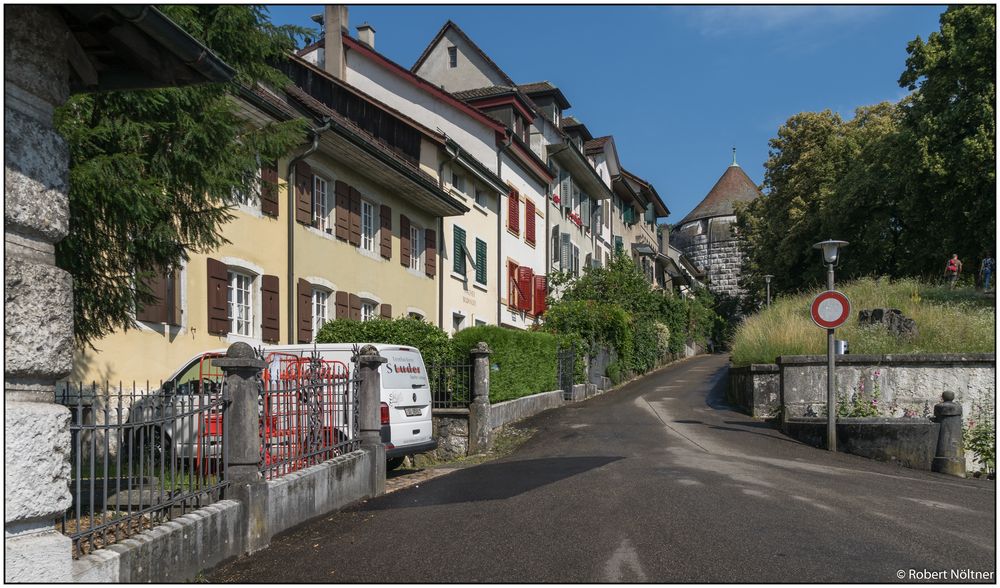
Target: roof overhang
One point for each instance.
(553, 91)
(474, 166)
(567, 155)
(644, 249)
(134, 46)
(509, 99)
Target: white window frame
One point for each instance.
(321, 204)
(368, 226)
(416, 248)
(241, 312)
(251, 200)
(458, 182)
(320, 301)
(369, 310)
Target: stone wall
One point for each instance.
(756, 389)
(709, 244)
(38, 296)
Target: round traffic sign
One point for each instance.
(830, 309)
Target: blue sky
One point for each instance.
(677, 86)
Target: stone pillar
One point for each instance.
(241, 425)
(369, 361)
(950, 455)
(38, 297)
(480, 434)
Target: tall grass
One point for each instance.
(948, 321)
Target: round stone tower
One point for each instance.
(706, 235)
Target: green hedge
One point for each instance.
(523, 362)
(432, 342)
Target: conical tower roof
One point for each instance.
(734, 186)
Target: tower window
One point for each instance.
(452, 56)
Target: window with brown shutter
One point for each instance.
(385, 231)
(218, 297)
(343, 300)
(269, 189)
(404, 240)
(385, 311)
(270, 308)
(513, 212)
(303, 292)
(156, 310)
(303, 193)
(355, 217)
(430, 252)
(529, 222)
(355, 307)
(343, 204)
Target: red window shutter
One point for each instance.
(529, 221)
(513, 212)
(355, 307)
(218, 297)
(155, 311)
(512, 296)
(269, 308)
(343, 305)
(524, 276)
(385, 310)
(385, 231)
(269, 189)
(343, 204)
(303, 193)
(304, 332)
(430, 252)
(355, 238)
(541, 290)
(404, 241)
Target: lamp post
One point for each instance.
(767, 279)
(831, 255)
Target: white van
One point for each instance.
(405, 411)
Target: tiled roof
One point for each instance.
(570, 121)
(487, 92)
(733, 186)
(533, 87)
(596, 144)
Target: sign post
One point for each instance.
(830, 310)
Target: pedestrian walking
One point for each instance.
(952, 269)
(986, 271)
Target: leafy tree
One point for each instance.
(951, 122)
(154, 172)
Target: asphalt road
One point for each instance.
(660, 482)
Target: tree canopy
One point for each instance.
(907, 184)
(153, 173)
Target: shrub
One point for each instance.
(948, 321)
(522, 362)
(432, 342)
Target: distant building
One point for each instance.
(707, 237)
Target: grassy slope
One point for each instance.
(948, 321)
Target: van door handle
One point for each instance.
(416, 431)
(417, 386)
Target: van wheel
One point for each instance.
(393, 463)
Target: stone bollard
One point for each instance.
(950, 455)
(369, 361)
(480, 434)
(241, 424)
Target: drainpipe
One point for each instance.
(500, 268)
(454, 156)
(316, 132)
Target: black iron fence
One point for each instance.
(308, 414)
(451, 385)
(140, 457)
(566, 370)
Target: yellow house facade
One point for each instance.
(348, 226)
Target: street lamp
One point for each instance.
(831, 254)
(767, 279)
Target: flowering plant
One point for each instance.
(555, 198)
(864, 399)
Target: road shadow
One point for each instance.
(491, 481)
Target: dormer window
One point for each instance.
(452, 56)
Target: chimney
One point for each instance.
(366, 34)
(335, 25)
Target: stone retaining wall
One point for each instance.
(756, 389)
(907, 442)
(521, 408)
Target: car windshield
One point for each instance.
(189, 381)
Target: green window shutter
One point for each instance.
(619, 245)
(481, 261)
(459, 249)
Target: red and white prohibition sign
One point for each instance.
(830, 309)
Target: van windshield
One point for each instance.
(403, 370)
